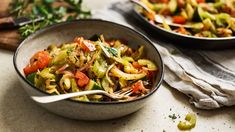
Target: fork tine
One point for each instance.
(122, 91)
(128, 92)
(118, 92)
(125, 93)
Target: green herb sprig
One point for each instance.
(70, 10)
(173, 116)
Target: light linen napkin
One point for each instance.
(206, 77)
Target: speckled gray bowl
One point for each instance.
(65, 32)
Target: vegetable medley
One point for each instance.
(208, 18)
(94, 64)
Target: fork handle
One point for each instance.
(54, 98)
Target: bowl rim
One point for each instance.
(179, 34)
(91, 20)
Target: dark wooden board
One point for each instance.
(9, 39)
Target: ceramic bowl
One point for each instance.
(67, 31)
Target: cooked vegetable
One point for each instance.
(179, 19)
(40, 60)
(208, 18)
(99, 69)
(45, 73)
(190, 11)
(138, 87)
(94, 64)
(85, 44)
(82, 79)
(165, 25)
(108, 87)
(136, 65)
(189, 123)
(138, 54)
(120, 74)
(92, 85)
(172, 5)
(150, 65)
(31, 77)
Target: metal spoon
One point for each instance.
(160, 18)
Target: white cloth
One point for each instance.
(207, 77)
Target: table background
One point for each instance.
(19, 114)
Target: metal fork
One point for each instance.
(53, 98)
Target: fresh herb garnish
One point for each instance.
(173, 117)
(54, 11)
(112, 50)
